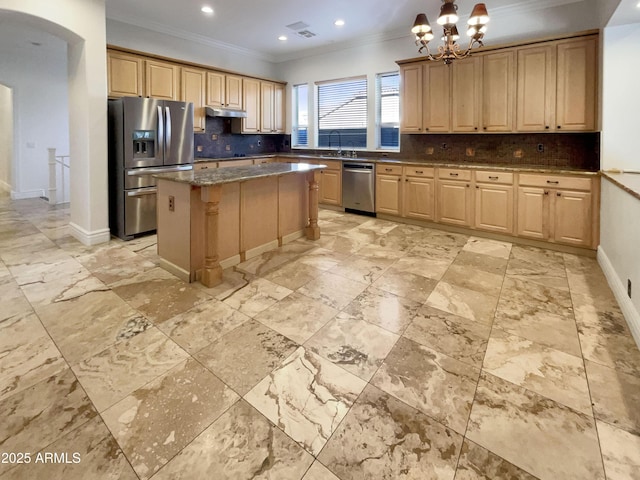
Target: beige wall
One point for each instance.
(6, 137)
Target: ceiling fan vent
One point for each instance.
(305, 34)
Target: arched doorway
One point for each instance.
(81, 23)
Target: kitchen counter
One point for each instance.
(421, 161)
(629, 182)
(216, 218)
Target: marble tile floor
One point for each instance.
(380, 351)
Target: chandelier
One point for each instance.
(450, 50)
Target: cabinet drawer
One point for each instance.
(555, 181)
(454, 174)
(205, 165)
(389, 169)
(332, 164)
(495, 177)
(419, 171)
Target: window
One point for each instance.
(342, 114)
(300, 116)
(388, 115)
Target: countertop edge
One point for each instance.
(618, 179)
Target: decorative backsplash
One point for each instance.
(219, 142)
(555, 150)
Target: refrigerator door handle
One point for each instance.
(160, 127)
(151, 171)
(141, 192)
(168, 129)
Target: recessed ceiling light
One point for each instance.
(339, 23)
(207, 9)
(282, 38)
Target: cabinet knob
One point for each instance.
(468, 185)
(426, 129)
(546, 192)
(558, 194)
(475, 128)
(406, 179)
(559, 127)
(477, 186)
(546, 127)
(484, 128)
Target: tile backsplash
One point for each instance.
(219, 142)
(557, 150)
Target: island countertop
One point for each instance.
(219, 176)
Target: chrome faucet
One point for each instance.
(339, 152)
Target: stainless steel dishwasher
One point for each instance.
(358, 186)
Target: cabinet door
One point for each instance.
(215, 89)
(536, 88)
(266, 105)
(162, 80)
(251, 102)
(331, 187)
(233, 94)
(419, 198)
(124, 73)
(411, 98)
(454, 203)
(533, 212)
(576, 85)
(436, 106)
(572, 217)
(278, 108)
(388, 194)
(192, 89)
(498, 91)
(494, 208)
(466, 90)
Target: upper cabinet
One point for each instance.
(162, 80)
(544, 86)
(124, 74)
(132, 74)
(192, 82)
(224, 90)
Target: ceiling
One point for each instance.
(255, 25)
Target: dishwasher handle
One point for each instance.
(366, 171)
(358, 167)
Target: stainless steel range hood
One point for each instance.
(225, 112)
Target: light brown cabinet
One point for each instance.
(192, 89)
(436, 97)
(279, 116)
(388, 189)
(264, 104)
(557, 86)
(251, 102)
(494, 201)
(330, 183)
(162, 80)
(124, 74)
(454, 197)
(556, 208)
(418, 193)
(466, 94)
(224, 91)
(498, 91)
(411, 98)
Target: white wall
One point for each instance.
(6, 137)
(236, 60)
(81, 23)
(38, 76)
(618, 253)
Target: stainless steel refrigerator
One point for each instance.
(146, 136)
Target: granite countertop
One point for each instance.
(218, 176)
(421, 161)
(629, 182)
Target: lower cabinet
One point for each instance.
(454, 197)
(418, 195)
(557, 209)
(330, 185)
(388, 189)
(494, 202)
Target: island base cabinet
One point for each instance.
(494, 208)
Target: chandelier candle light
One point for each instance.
(450, 50)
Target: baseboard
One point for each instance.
(90, 238)
(629, 310)
(24, 195)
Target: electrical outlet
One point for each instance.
(541, 148)
(517, 154)
(199, 148)
(172, 203)
(444, 146)
(629, 287)
(429, 151)
(214, 137)
(227, 148)
(470, 152)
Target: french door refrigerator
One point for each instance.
(146, 136)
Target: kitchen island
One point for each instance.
(213, 219)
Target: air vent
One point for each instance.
(305, 34)
(297, 26)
